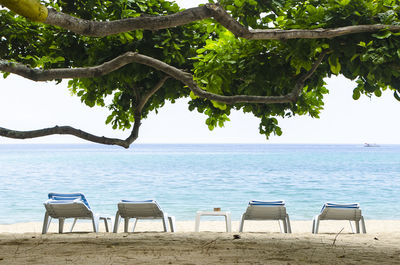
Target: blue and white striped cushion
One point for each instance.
(341, 205)
(145, 201)
(267, 203)
(68, 197)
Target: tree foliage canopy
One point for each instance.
(273, 65)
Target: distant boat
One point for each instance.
(370, 145)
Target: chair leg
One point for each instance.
(73, 224)
(228, 222)
(363, 225)
(116, 222)
(95, 221)
(357, 226)
(171, 220)
(281, 223)
(284, 224)
(241, 223)
(197, 223)
(351, 226)
(289, 227)
(61, 225)
(105, 219)
(46, 223)
(313, 225)
(111, 225)
(134, 224)
(126, 224)
(165, 222)
(316, 224)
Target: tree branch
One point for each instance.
(278, 34)
(130, 57)
(105, 28)
(138, 110)
(300, 83)
(36, 74)
(62, 130)
(68, 130)
(148, 95)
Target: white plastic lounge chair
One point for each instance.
(335, 211)
(148, 209)
(71, 205)
(267, 210)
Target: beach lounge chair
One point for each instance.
(267, 210)
(335, 211)
(148, 209)
(71, 205)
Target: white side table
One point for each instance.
(213, 213)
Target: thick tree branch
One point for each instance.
(68, 130)
(62, 130)
(278, 34)
(105, 28)
(36, 12)
(36, 74)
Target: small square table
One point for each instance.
(213, 213)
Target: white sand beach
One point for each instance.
(261, 243)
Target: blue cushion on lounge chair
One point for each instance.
(138, 201)
(68, 197)
(267, 203)
(341, 206)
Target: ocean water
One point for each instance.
(186, 178)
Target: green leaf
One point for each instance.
(238, 3)
(354, 57)
(334, 64)
(325, 46)
(343, 2)
(278, 131)
(383, 35)
(109, 119)
(356, 94)
(139, 34)
(218, 105)
(192, 95)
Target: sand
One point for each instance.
(261, 243)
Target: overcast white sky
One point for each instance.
(27, 105)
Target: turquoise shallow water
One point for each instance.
(188, 178)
